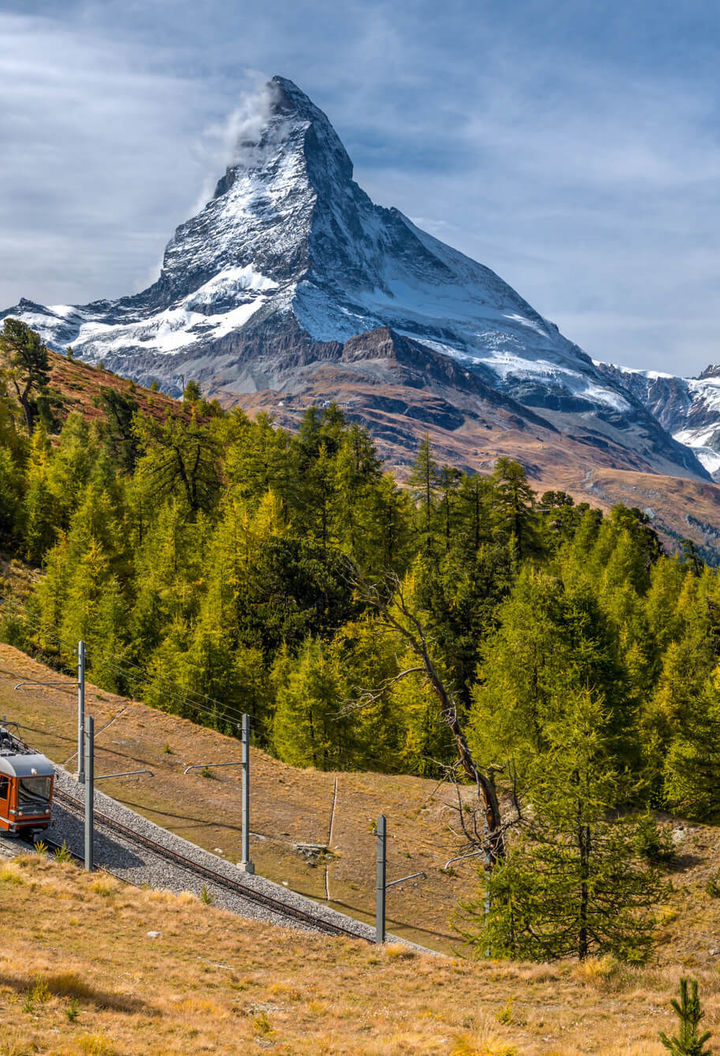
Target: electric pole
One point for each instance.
(245, 864)
(81, 712)
(89, 791)
(381, 884)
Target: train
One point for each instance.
(27, 783)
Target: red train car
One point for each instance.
(26, 791)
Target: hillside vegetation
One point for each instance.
(216, 565)
(290, 807)
(181, 977)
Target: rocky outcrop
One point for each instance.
(687, 408)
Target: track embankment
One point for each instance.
(142, 853)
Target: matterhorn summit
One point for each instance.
(288, 271)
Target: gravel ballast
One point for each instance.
(138, 865)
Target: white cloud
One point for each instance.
(96, 149)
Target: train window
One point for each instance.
(4, 786)
(34, 793)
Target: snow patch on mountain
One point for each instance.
(289, 249)
(197, 317)
(688, 408)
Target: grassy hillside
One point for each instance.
(181, 977)
(289, 806)
(77, 384)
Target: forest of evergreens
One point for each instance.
(212, 565)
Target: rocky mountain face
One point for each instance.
(291, 287)
(687, 408)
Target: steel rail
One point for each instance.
(234, 886)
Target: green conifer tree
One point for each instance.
(574, 883)
(309, 728)
(26, 366)
(424, 481)
(689, 1011)
(513, 505)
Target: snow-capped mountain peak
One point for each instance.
(291, 258)
(688, 408)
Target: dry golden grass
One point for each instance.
(79, 975)
(214, 983)
(77, 383)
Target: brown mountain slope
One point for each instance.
(382, 380)
(403, 391)
(75, 384)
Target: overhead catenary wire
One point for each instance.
(121, 667)
(193, 700)
(226, 712)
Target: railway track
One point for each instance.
(235, 887)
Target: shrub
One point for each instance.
(712, 885)
(653, 841)
(37, 994)
(64, 854)
(263, 1025)
(95, 1045)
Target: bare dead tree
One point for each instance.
(394, 611)
(471, 819)
(367, 697)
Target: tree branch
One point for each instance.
(416, 638)
(368, 697)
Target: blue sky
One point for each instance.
(572, 147)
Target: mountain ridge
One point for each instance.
(687, 408)
(290, 261)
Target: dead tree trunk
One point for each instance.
(410, 628)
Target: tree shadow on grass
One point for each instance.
(38, 987)
(682, 862)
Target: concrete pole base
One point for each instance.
(246, 867)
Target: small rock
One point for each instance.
(313, 853)
(678, 835)
(714, 952)
(218, 850)
(154, 934)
